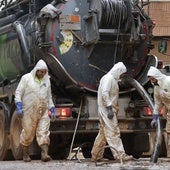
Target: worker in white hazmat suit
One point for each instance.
(108, 93)
(161, 84)
(33, 101)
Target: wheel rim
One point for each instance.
(16, 130)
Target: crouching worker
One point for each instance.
(33, 101)
(108, 93)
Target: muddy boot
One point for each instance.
(99, 160)
(168, 151)
(44, 153)
(168, 145)
(124, 157)
(127, 158)
(25, 152)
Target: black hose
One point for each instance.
(112, 12)
(158, 142)
(141, 91)
(158, 138)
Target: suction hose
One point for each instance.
(158, 138)
(158, 142)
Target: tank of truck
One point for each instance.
(81, 43)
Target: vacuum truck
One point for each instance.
(80, 40)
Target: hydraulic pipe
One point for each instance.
(7, 20)
(6, 29)
(23, 42)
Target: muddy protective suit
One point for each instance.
(108, 93)
(162, 98)
(36, 98)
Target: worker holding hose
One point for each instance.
(108, 93)
(161, 84)
(33, 101)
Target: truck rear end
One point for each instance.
(80, 43)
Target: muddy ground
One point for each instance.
(86, 164)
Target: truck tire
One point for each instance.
(15, 130)
(3, 137)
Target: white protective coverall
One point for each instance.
(36, 99)
(108, 93)
(162, 98)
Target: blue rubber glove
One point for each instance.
(19, 109)
(53, 114)
(154, 120)
(110, 114)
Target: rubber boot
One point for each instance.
(127, 158)
(44, 153)
(25, 152)
(168, 145)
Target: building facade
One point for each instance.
(159, 11)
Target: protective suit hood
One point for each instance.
(154, 72)
(117, 70)
(39, 66)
